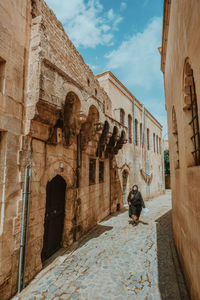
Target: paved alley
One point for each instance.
(117, 261)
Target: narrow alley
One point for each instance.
(117, 261)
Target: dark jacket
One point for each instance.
(137, 199)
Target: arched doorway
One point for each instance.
(54, 216)
(124, 181)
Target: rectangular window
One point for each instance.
(101, 171)
(160, 145)
(157, 143)
(148, 144)
(136, 132)
(2, 75)
(122, 115)
(154, 143)
(92, 171)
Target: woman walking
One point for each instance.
(136, 203)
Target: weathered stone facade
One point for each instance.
(147, 159)
(180, 65)
(57, 122)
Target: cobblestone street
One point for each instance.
(117, 261)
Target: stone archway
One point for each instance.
(54, 216)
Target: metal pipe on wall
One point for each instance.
(26, 228)
(22, 232)
(134, 141)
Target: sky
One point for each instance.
(122, 36)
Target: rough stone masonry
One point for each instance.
(59, 123)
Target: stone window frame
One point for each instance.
(191, 116)
(2, 75)
(157, 143)
(92, 171)
(154, 142)
(136, 132)
(122, 116)
(141, 136)
(130, 128)
(148, 141)
(101, 171)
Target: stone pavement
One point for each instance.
(117, 261)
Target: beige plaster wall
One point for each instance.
(183, 41)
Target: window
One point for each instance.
(130, 129)
(95, 92)
(92, 171)
(101, 171)
(160, 145)
(136, 131)
(157, 143)
(148, 144)
(140, 134)
(191, 110)
(154, 143)
(122, 115)
(2, 75)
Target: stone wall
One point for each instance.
(121, 98)
(55, 117)
(180, 55)
(13, 66)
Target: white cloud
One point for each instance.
(137, 64)
(137, 59)
(85, 21)
(123, 6)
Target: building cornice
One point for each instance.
(112, 78)
(166, 17)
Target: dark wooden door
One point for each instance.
(54, 216)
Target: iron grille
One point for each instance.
(195, 123)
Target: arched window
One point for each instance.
(122, 116)
(148, 144)
(175, 145)
(130, 128)
(136, 132)
(154, 143)
(192, 136)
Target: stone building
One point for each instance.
(140, 160)
(65, 160)
(180, 66)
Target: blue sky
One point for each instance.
(121, 36)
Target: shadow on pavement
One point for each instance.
(171, 280)
(93, 233)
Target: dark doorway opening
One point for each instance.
(54, 216)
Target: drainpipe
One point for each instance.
(26, 228)
(22, 232)
(134, 141)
